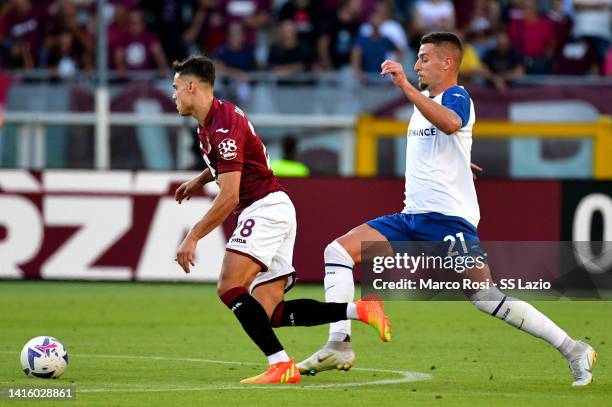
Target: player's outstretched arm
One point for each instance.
(222, 206)
(188, 188)
(438, 115)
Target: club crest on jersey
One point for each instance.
(228, 149)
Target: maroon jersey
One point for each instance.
(228, 142)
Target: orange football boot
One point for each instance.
(371, 312)
(278, 373)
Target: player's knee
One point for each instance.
(329, 250)
(229, 296)
(221, 290)
(228, 281)
(277, 315)
(338, 254)
(222, 287)
(488, 300)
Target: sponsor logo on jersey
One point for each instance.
(224, 131)
(228, 149)
(427, 132)
(239, 240)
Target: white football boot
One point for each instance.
(334, 355)
(581, 361)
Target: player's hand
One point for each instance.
(187, 189)
(475, 169)
(396, 70)
(185, 254)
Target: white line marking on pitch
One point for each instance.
(406, 377)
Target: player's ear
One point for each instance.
(444, 58)
(449, 61)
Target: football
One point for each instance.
(44, 357)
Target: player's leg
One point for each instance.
(262, 229)
(340, 257)
(282, 368)
(464, 239)
(270, 294)
(527, 318)
(515, 312)
(293, 313)
(237, 273)
(268, 289)
(309, 312)
(270, 240)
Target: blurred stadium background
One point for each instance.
(92, 148)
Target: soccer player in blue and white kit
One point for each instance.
(440, 201)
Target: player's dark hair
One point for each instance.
(199, 66)
(442, 37)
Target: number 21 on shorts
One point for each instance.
(452, 240)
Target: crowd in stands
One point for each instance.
(503, 39)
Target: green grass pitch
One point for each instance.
(133, 344)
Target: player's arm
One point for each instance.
(438, 115)
(188, 188)
(222, 206)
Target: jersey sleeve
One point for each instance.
(458, 100)
(229, 148)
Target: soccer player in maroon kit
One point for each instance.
(257, 268)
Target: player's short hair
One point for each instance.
(441, 37)
(199, 66)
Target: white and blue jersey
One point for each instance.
(438, 174)
(440, 197)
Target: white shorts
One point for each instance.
(266, 234)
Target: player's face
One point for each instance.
(429, 66)
(181, 96)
